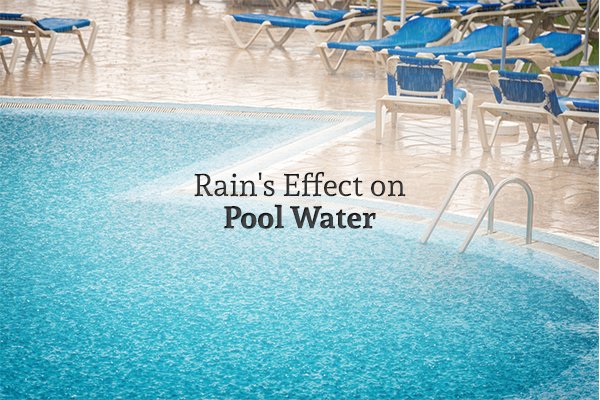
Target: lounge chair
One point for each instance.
(22, 25)
(9, 66)
(576, 71)
(563, 45)
(528, 98)
(421, 85)
(416, 32)
(557, 45)
(336, 23)
(484, 38)
(582, 111)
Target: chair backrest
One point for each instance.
(427, 28)
(490, 36)
(520, 88)
(561, 43)
(420, 77)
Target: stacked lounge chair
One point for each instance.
(416, 32)
(484, 38)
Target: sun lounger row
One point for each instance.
(32, 30)
(466, 13)
(419, 34)
(429, 36)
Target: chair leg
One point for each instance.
(4, 63)
(581, 136)
(284, 38)
(46, 56)
(482, 131)
(467, 114)
(394, 118)
(453, 128)
(326, 59)
(465, 123)
(566, 139)
(229, 21)
(30, 45)
(572, 86)
(530, 131)
(379, 120)
(486, 143)
(87, 48)
(9, 67)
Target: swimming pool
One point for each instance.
(111, 295)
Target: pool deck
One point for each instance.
(172, 51)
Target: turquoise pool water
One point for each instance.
(115, 296)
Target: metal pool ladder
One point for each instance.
(488, 207)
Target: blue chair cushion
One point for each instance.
(10, 16)
(573, 70)
(589, 105)
(415, 33)
(62, 24)
(486, 38)
(459, 97)
(339, 14)
(559, 43)
(329, 14)
(5, 40)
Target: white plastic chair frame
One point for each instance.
(572, 12)
(520, 112)
(588, 119)
(336, 31)
(332, 67)
(475, 18)
(9, 66)
(27, 29)
(408, 102)
(593, 76)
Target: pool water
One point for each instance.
(117, 296)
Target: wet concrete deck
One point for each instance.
(153, 50)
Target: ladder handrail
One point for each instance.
(437, 218)
(490, 204)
